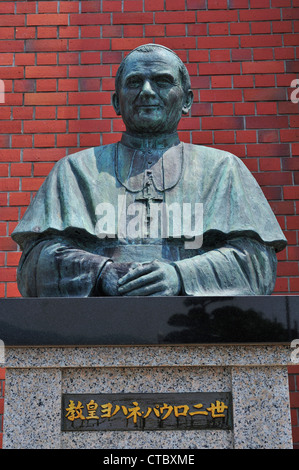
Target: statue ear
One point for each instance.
(188, 102)
(115, 102)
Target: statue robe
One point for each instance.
(64, 250)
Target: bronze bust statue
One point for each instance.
(92, 229)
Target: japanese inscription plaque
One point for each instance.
(146, 411)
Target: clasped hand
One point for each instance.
(140, 279)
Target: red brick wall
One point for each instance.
(58, 60)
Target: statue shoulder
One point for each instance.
(84, 162)
(210, 156)
(88, 156)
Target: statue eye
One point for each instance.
(164, 81)
(134, 82)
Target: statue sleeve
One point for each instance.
(241, 266)
(56, 268)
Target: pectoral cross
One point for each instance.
(150, 195)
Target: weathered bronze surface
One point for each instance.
(89, 230)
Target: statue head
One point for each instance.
(152, 90)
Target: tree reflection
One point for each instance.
(223, 324)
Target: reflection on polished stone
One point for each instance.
(153, 320)
(208, 321)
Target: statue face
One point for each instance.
(151, 98)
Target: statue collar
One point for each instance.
(161, 168)
(156, 142)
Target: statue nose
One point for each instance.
(147, 88)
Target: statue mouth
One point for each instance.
(148, 106)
